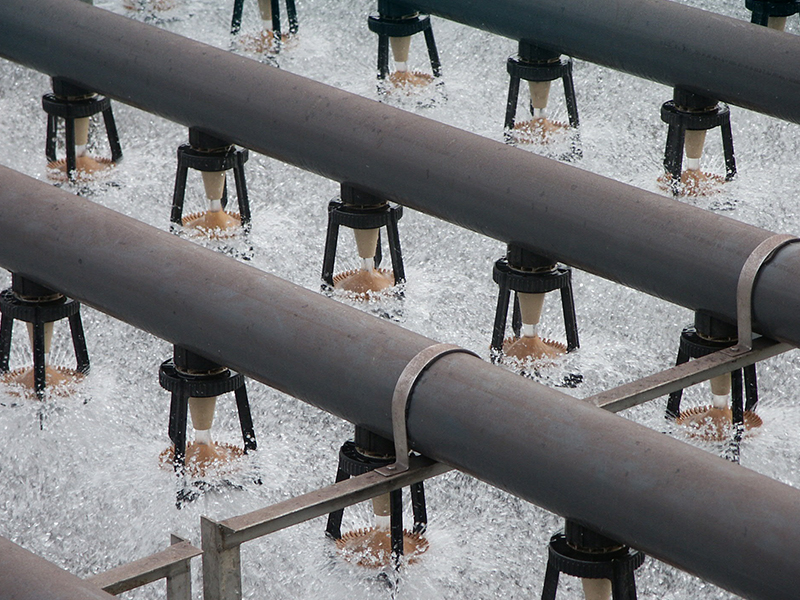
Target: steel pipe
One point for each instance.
(637, 238)
(710, 517)
(660, 40)
(26, 576)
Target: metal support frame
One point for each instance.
(221, 540)
(172, 564)
(222, 575)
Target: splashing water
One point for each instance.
(85, 489)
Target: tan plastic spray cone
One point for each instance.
(530, 345)
(530, 307)
(265, 8)
(372, 547)
(403, 77)
(214, 184)
(400, 50)
(721, 385)
(777, 23)
(202, 412)
(382, 506)
(540, 94)
(596, 589)
(693, 147)
(366, 280)
(48, 336)
(366, 242)
(81, 135)
(214, 220)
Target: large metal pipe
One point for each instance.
(659, 40)
(640, 239)
(25, 576)
(710, 517)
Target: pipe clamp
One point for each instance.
(744, 288)
(402, 394)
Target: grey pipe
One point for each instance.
(710, 517)
(25, 576)
(663, 41)
(639, 239)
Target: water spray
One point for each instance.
(395, 24)
(40, 307)
(539, 67)
(75, 105)
(732, 407)
(386, 542)
(213, 157)
(530, 276)
(689, 117)
(365, 214)
(269, 39)
(195, 383)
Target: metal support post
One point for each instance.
(222, 565)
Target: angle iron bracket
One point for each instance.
(402, 394)
(744, 288)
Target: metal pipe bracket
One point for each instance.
(401, 396)
(744, 288)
